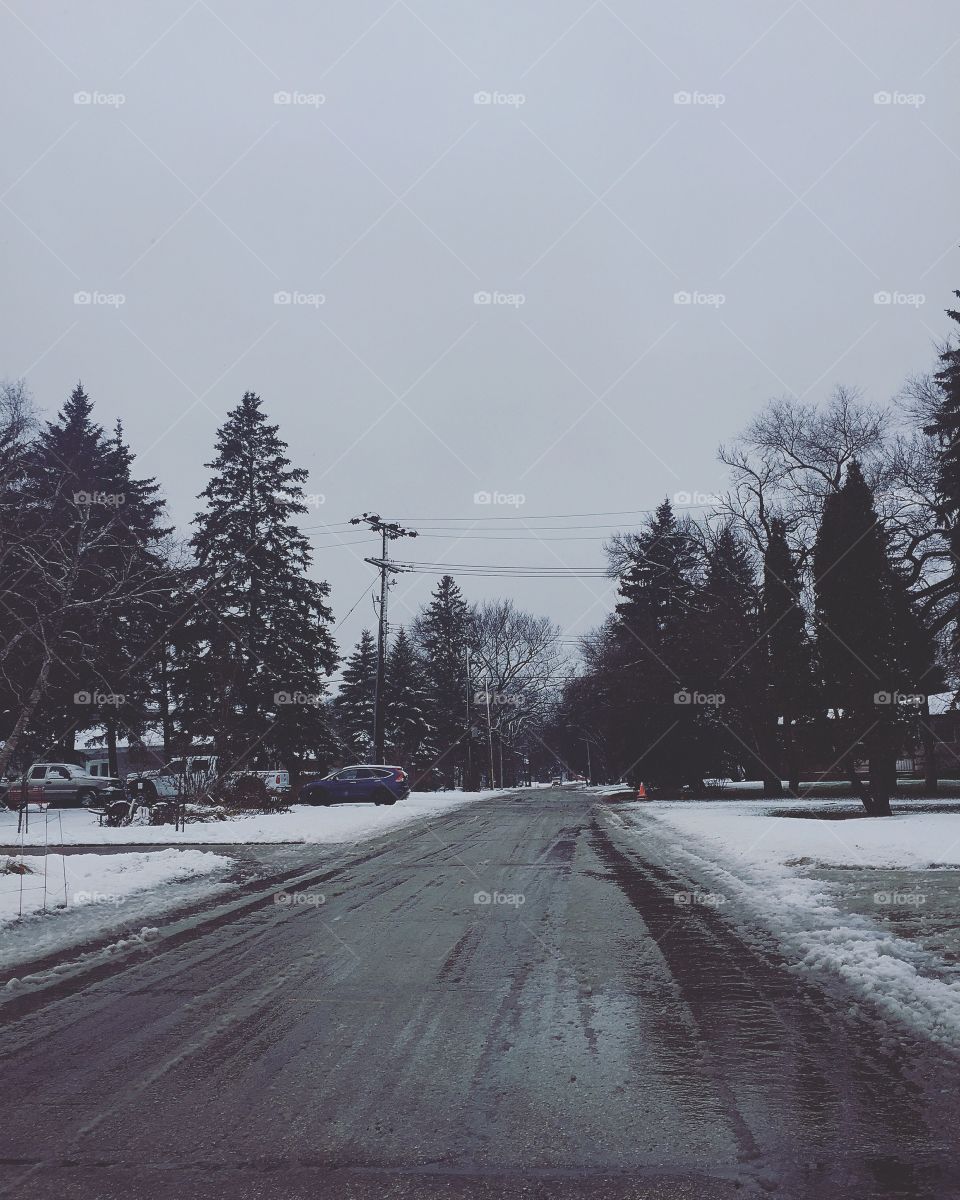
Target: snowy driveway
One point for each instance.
(526, 997)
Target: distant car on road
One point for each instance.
(379, 784)
(63, 785)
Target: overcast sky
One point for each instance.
(583, 197)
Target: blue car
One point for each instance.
(349, 785)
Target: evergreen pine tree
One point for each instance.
(407, 727)
(871, 645)
(787, 647)
(93, 569)
(442, 634)
(256, 648)
(652, 737)
(945, 428)
(354, 703)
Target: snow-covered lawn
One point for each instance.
(304, 823)
(746, 831)
(767, 864)
(57, 881)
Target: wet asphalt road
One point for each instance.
(400, 1039)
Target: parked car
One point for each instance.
(381, 784)
(64, 785)
(193, 774)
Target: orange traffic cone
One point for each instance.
(641, 792)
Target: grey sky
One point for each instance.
(398, 198)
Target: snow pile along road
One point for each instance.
(764, 862)
(59, 881)
(304, 824)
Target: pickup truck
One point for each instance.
(188, 776)
(61, 785)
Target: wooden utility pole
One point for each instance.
(389, 531)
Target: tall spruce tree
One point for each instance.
(872, 648)
(788, 664)
(945, 428)
(354, 703)
(728, 660)
(442, 634)
(92, 577)
(653, 737)
(407, 725)
(255, 649)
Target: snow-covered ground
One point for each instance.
(57, 881)
(304, 823)
(767, 863)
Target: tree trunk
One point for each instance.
(928, 739)
(9, 747)
(883, 766)
(112, 766)
(793, 765)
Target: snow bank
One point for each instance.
(101, 881)
(753, 834)
(763, 862)
(303, 824)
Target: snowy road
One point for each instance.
(380, 1032)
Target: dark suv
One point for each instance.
(382, 785)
